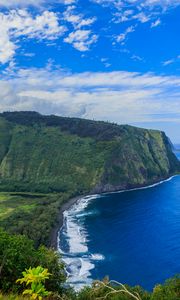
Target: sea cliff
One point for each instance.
(57, 154)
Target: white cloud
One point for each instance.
(77, 20)
(105, 62)
(82, 36)
(120, 4)
(171, 61)
(122, 37)
(136, 58)
(125, 97)
(69, 2)
(162, 3)
(26, 3)
(155, 23)
(142, 17)
(81, 39)
(15, 3)
(129, 15)
(141, 11)
(168, 62)
(29, 54)
(19, 23)
(137, 12)
(7, 48)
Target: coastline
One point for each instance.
(71, 201)
(55, 231)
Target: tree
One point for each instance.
(18, 253)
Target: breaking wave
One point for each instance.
(73, 239)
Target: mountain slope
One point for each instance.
(50, 153)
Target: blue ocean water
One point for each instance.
(177, 153)
(133, 236)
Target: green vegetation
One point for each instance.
(54, 154)
(44, 161)
(100, 291)
(116, 291)
(35, 278)
(34, 215)
(18, 253)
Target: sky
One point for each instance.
(111, 60)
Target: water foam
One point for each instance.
(73, 239)
(142, 187)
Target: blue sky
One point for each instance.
(102, 59)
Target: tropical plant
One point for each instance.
(35, 277)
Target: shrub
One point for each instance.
(17, 253)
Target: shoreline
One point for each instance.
(71, 201)
(55, 231)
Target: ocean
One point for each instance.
(132, 237)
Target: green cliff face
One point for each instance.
(49, 153)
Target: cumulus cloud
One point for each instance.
(82, 36)
(19, 23)
(81, 39)
(45, 26)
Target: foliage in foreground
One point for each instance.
(115, 291)
(17, 253)
(34, 278)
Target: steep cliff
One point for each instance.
(50, 153)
